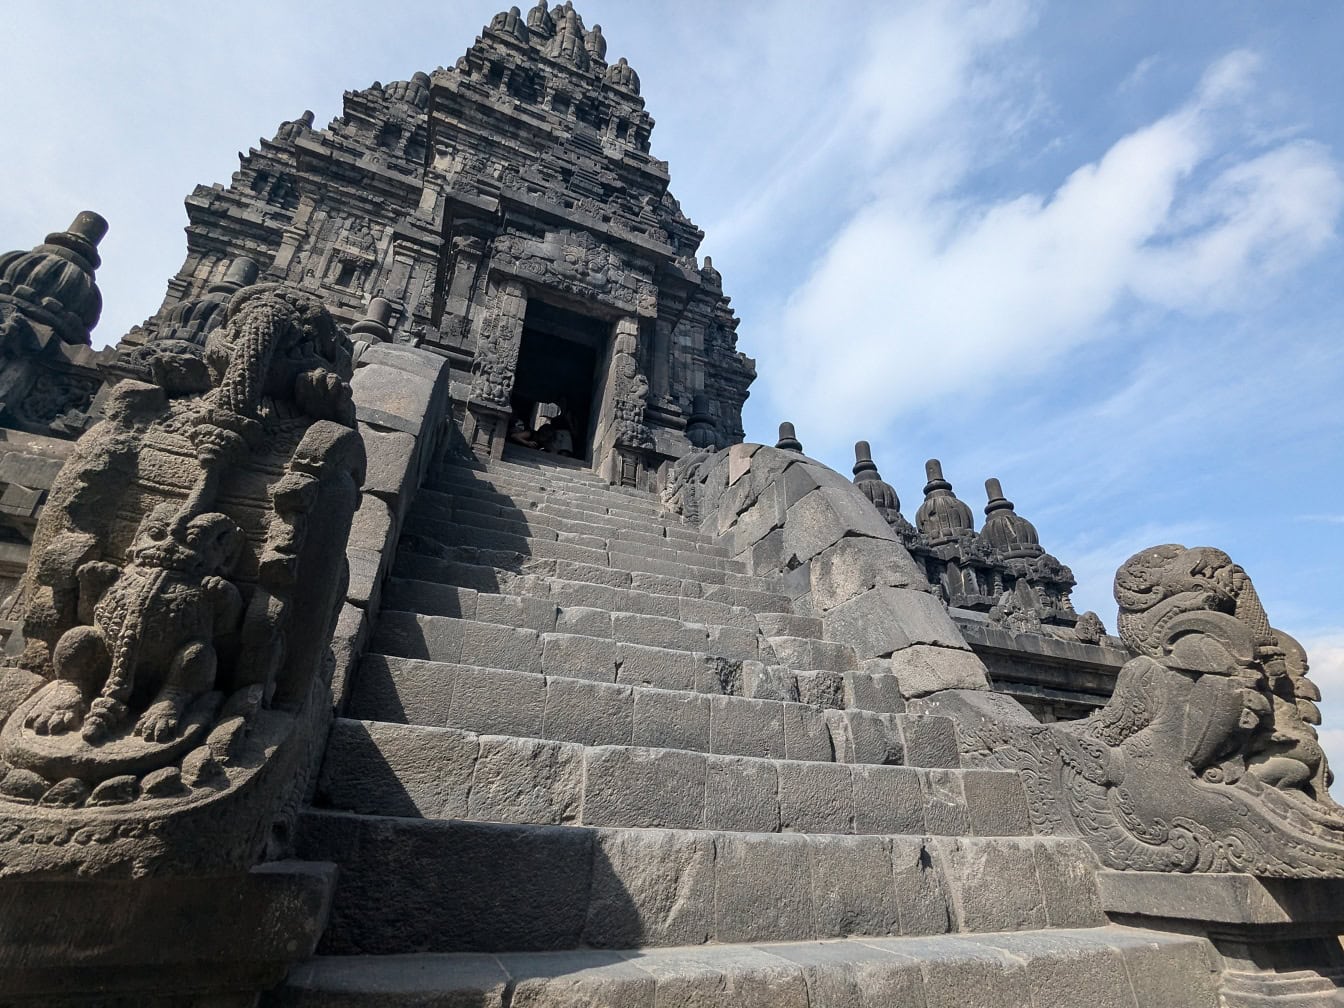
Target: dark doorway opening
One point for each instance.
(558, 372)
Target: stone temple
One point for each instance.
(398, 617)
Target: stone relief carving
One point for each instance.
(579, 264)
(1205, 759)
(629, 391)
(497, 346)
(184, 577)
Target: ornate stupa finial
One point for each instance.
(54, 282)
(374, 323)
(539, 20)
(595, 43)
(1008, 532)
(623, 75)
(510, 22)
(870, 481)
(942, 517)
(788, 439)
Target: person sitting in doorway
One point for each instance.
(557, 434)
(519, 434)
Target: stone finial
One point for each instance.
(291, 129)
(568, 42)
(621, 74)
(510, 22)
(54, 282)
(539, 20)
(595, 43)
(869, 480)
(942, 517)
(712, 277)
(374, 323)
(788, 439)
(1008, 532)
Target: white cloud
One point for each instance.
(926, 293)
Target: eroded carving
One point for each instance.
(185, 573)
(1203, 760)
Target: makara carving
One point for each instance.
(1206, 757)
(185, 575)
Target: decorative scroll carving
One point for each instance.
(497, 346)
(185, 574)
(1206, 758)
(577, 263)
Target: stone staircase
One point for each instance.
(591, 760)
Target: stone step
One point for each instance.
(424, 559)
(729, 718)
(433, 598)
(431, 885)
(513, 485)
(547, 544)
(536, 521)
(378, 768)
(1105, 967)
(675, 655)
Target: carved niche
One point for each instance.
(1206, 758)
(185, 575)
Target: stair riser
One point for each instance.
(387, 769)
(565, 709)
(576, 498)
(417, 886)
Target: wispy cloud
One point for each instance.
(1178, 215)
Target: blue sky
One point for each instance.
(1093, 253)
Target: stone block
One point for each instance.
(397, 770)
(856, 975)
(651, 887)
(873, 692)
(872, 738)
(349, 641)
(742, 727)
(765, 515)
(996, 805)
(815, 797)
(536, 614)
(578, 657)
(922, 669)
(844, 897)
(658, 667)
(732, 643)
(671, 719)
(390, 397)
(588, 713)
(858, 564)
(741, 794)
(762, 888)
(1065, 970)
(806, 735)
(635, 786)
(409, 635)
(963, 974)
(870, 623)
(992, 883)
(921, 890)
(768, 682)
(722, 977)
(1175, 972)
(944, 802)
(1067, 870)
(657, 631)
(522, 780)
(930, 741)
(581, 979)
(498, 701)
(430, 597)
(587, 622)
(824, 689)
(390, 467)
(827, 515)
(887, 799)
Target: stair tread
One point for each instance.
(1136, 966)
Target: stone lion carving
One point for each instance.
(185, 574)
(1203, 759)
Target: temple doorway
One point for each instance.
(555, 385)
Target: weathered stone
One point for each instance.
(527, 781)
